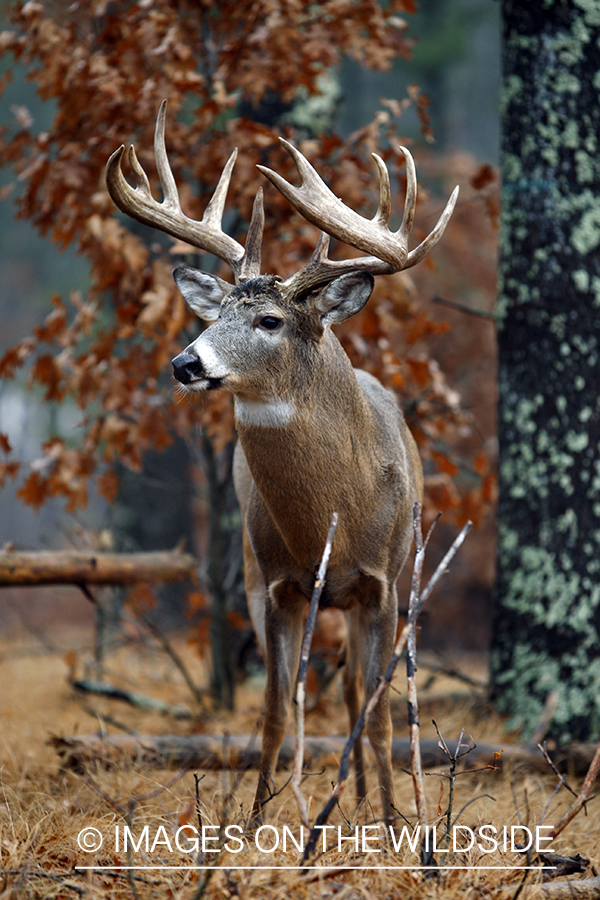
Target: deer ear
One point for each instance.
(203, 293)
(344, 297)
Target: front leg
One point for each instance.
(378, 618)
(284, 627)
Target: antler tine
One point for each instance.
(207, 234)
(213, 214)
(165, 174)
(382, 216)
(142, 179)
(410, 201)
(250, 267)
(431, 240)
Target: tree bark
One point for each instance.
(547, 618)
(77, 567)
(224, 568)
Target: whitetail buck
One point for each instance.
(315, 435)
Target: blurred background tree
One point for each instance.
(103, 319)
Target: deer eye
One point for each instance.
(269, 323)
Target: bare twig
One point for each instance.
(470, 802)
(27, 873)
(460, 307)
(376, 696)
(521, 885)
(562, 781)
(453, 672)
(561, 778)
(411, 667)
(581, 799)
(104, 720)
(303, 670)
(459, 751)
(169, 650)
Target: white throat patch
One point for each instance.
(267, 413)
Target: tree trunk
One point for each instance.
(224, 569)
(547, 618)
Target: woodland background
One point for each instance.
(441, 85)
(97, 452)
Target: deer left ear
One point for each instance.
(344, 297)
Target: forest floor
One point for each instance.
(44, 810)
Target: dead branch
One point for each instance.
(79, 567)
(562, 781)
(562, 865)
(460, 751)
(460, 307)
(169, 649)
(587, 889)
(303, 670)
(205, 751)
(411, 666)
(381, 687)
(582, 798)
(141, 701)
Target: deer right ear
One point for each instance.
(344, 297)
(203, 293)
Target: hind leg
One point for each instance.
(353, 696)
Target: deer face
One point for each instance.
(262, 343)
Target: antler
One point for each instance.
(207, 234)
(319, 205)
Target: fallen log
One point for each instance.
(205, 751)
(585, 889)
(83, 567)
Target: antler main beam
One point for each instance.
(318, 204)
(207, 234)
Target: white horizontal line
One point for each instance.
(318, 868)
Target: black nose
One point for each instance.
(186, 368)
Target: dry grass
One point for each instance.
(43, 810)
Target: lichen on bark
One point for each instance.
(547, 616)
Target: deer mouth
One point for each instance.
(199, 385)
(213, 384)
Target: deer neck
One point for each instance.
(321, 404)
(301, 447)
